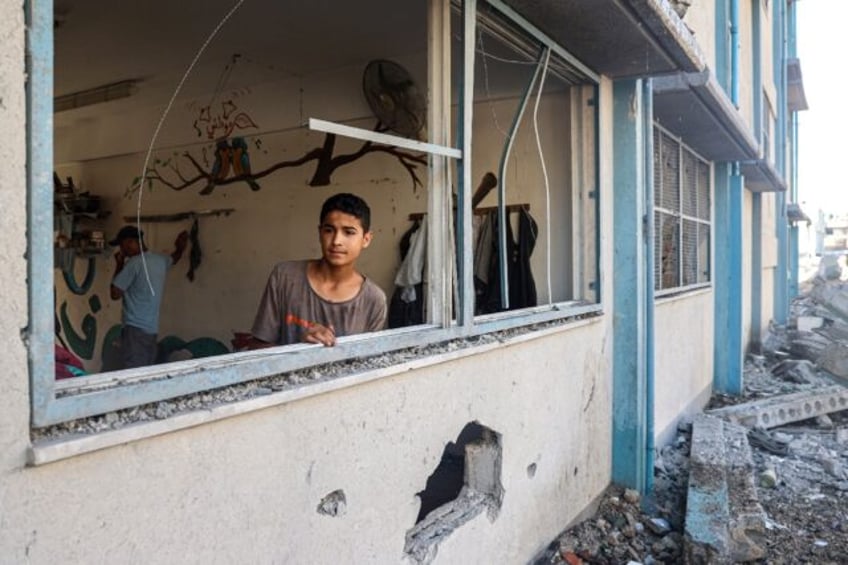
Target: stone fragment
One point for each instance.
(632, 496)
(659, 526)
(768, 478)
(833, 468)
(824, 421)
(842, 435)
(808, 323)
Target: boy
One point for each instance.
(318, 300)
(132, 284)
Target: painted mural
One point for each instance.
(81, 336)
(231, 165)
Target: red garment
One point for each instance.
(63, 359)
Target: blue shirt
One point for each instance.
(141, 307)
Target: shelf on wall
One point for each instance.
(180, 216)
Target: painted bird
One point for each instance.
(241, 162)
(221, 166)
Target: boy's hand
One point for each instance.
(317, 333)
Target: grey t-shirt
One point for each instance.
(289, 306)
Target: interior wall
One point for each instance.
(279, 221)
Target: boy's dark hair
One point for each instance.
(349, 204)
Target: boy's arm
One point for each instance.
(119, 284)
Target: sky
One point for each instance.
(822, 149)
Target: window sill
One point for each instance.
(682, 294)
(50, 450)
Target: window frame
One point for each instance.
(679, 214)
(55, 402)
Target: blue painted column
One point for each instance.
(794, 234)
(727, 283)
(756, 268)
(781, 273)
(756, 197)
(632, 460)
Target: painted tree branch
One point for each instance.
(327, 165)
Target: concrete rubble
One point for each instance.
(759, 478)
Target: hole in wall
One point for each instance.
(531, 470)
(334, 504)
(465, 483)
(447, 480)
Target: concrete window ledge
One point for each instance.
(46, 451)
(683, 294)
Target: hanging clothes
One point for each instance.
(522, 286)
(406, 307)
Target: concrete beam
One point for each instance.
(785, 409)
(724, 520)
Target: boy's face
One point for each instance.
(342, 238)
(130, 247)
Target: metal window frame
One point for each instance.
(678, 213)
(54, 402)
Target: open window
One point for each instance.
(284, 105)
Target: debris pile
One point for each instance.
(795, 409)
(627, 528)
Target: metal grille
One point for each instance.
(670, 199)
(682, 216)
(690, 252)
(703, 191)
(668, 251)
(690, 184)
(658, 169)
(703, 253)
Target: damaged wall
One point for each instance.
(247, 488)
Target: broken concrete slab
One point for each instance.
(807, 345)
(833, 298)
(808, 323)
(780, 410)
(835, 331)
(801, 371)
(834, 359)
(747, 525)
(724, 520)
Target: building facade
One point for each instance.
(631, 162)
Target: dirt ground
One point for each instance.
(801, 476)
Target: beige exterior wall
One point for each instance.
(683, 359)
(746, 63)
(769, 264)
(701, 19)
(246, 489)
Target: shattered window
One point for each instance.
(682, 219)
(211, 152)
(534, 205)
